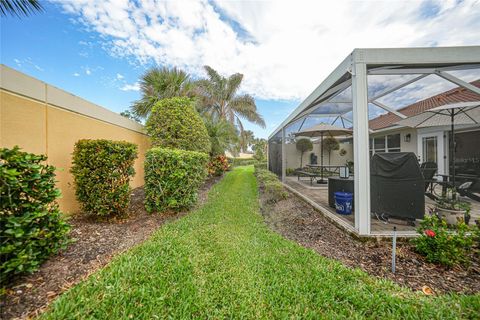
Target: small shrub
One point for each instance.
(172, 178)
(217, 166)
(442, 245)
(31, 225)
(102, 170)
(260, 165)
(273, 189)
(235, 162)
(174, 123)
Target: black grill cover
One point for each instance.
(397, 185)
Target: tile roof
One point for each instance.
(457, 94)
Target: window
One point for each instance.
(393, 142)
(429, 145)
(389, 143)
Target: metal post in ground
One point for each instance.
(394, 248)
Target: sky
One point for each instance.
(98, 49)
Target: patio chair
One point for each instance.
(428, 170)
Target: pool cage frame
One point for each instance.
(354, 71)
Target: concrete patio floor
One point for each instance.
(317, 195)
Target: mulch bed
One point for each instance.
(96, 243)
(298, 221)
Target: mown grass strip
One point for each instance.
(221, 261)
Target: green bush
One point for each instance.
(175, 124)
(31, 225)
(172, 178)
(260, 165)
(217, 165)
(272, 188)
(102, 170)
(235, 162)
(444, 245)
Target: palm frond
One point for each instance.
(19, 7)
(245, 107)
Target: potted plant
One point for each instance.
(450, 208)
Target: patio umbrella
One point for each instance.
(320, 130)
(449, 114)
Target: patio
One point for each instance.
(384, 84)
(317, 195)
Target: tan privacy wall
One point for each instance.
(43, 119)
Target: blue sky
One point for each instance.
(98, 49)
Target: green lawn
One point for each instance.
(221, 261)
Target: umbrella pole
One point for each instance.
(452, 128)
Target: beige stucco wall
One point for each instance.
(293, 155)
(46, 120)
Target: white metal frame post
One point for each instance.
(360, 148)
(284, 153)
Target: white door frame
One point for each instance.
(442, 157)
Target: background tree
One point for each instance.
(260, 149)
(130, 115)
(161, 83)
(330, 144)
(219, 96)
(223, 136)
(175, 124)
(19, 8)
(247, 138)
(304, 145)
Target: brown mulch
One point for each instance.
(298, 221)
(95, 244)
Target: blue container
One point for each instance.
(343, 202)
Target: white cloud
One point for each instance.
(76, 74)
(131, 87)
(119, 76)
(283, 48)
(88, 71)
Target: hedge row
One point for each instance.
(271, 187)
(235, 162)
(31, 225)
(172, 178)
(102, 170)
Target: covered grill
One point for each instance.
(397, 186)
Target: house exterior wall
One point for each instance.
(43, 119)
(410, 146)
(293, 155)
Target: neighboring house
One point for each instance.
(432, 143)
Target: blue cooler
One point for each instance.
(343, 202)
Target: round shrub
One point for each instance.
(175, 124)
(102, 170)
(217, 165)
(31, 225)
(172, 178)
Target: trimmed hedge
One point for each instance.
(102, 170)
(260, 165)
(273, 189)
(172, 178)
(175, 124)
(31, 225)
(235, 162)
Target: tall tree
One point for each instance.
(19, 8)
(161, 83)
(219, 96)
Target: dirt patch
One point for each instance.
(96, 243)
(300, 222)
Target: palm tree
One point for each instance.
(223, 136)
(19, 7)
(247, 138)
(161, 83)
(218, 96)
